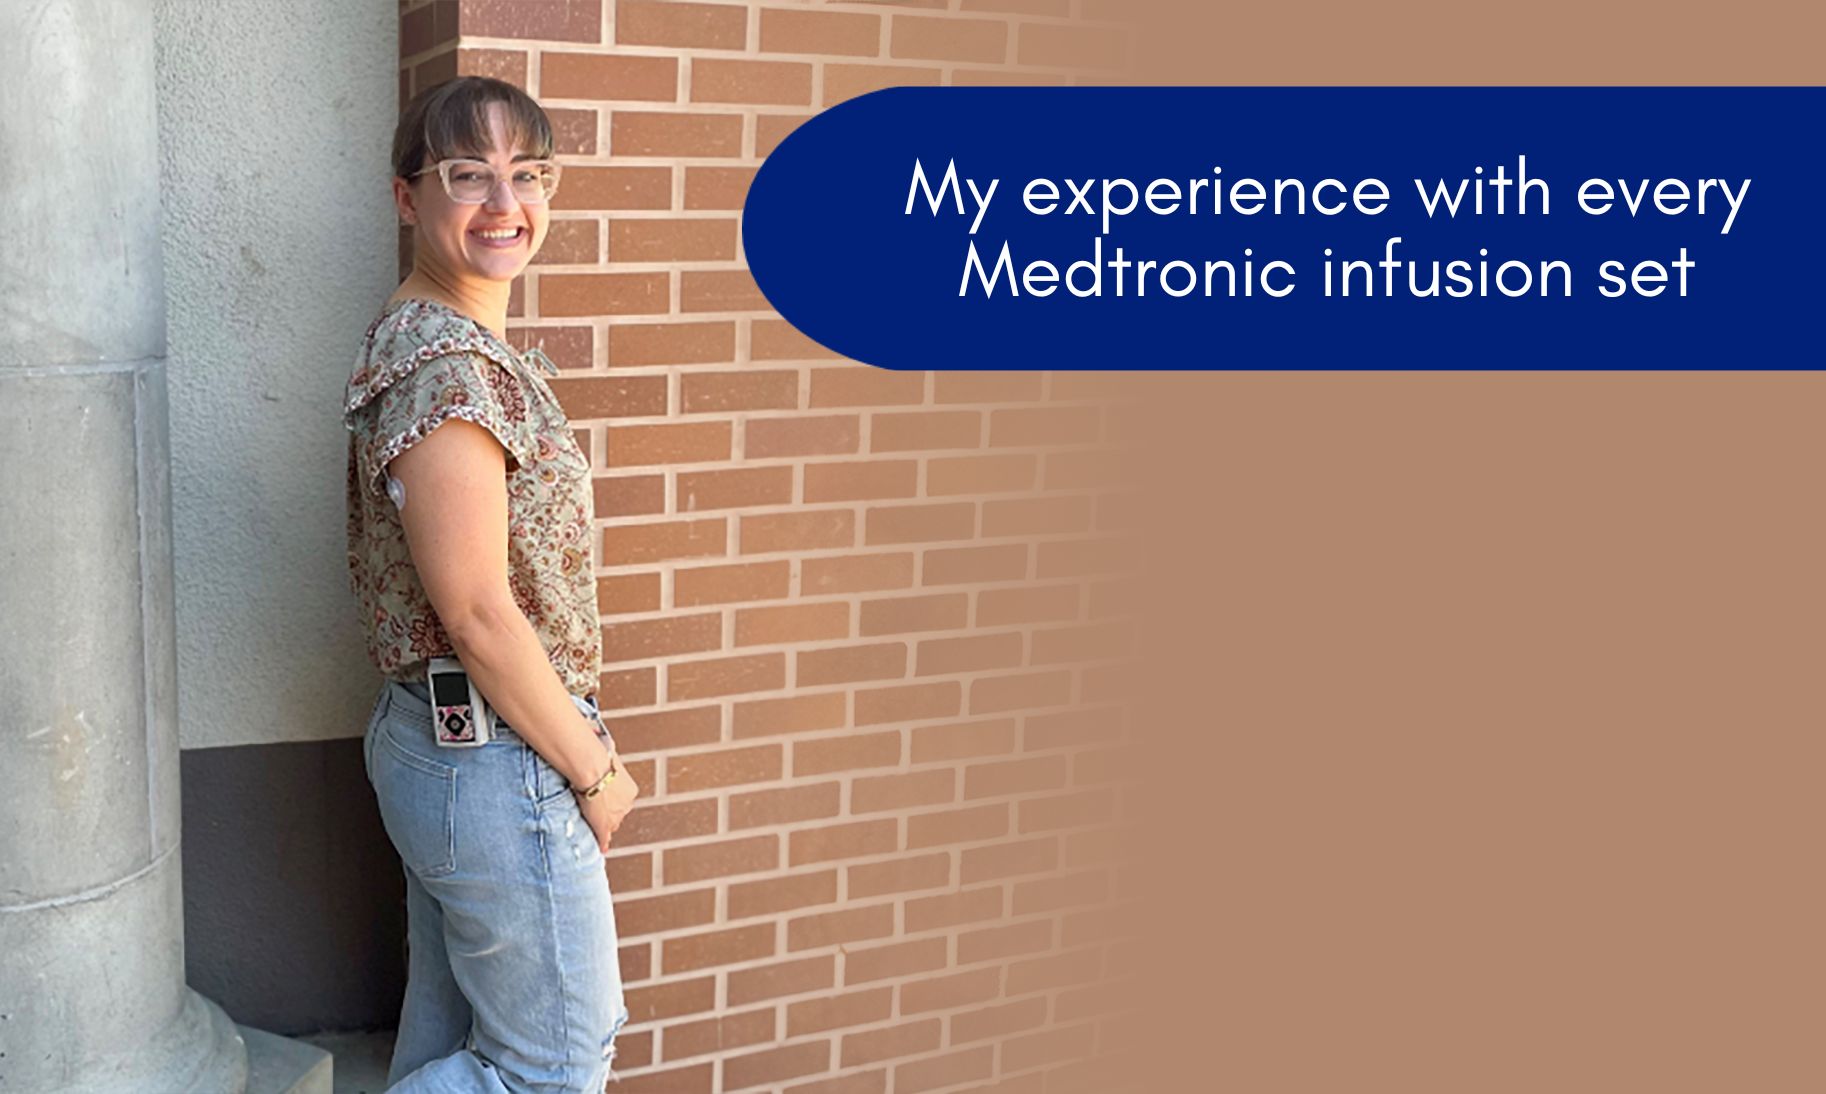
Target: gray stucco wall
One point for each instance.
(274, 127)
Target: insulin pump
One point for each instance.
(459, 714)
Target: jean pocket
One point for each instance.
(417, 799)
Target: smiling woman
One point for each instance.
(470, 532)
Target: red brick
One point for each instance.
(668, 443)
(1037, 516)
(630, 495)
(674, 135)
(901, 1039)
(778, 340)
(1064, 811)
(607, 76)
(1081, 557)
(1057, 45)
(853, 35)
(731, 584)
(772, 83)
(905, 614)
(797, 531)
(908, 703)
(663, 729)
(997, 474)
(717, 187)
(925, 430)
(941, 38)
(1071, 728)
(1043, 425)
(719, 290)
(987, 387)
(1052, 1046)
(746, 389)
(952, 909)
(573, 294)
(610, 396)
(995, 943)
(1051, 894)
(703, 861)
(899, 875)
(855, 573)
(1026, 776)
(902, 791)
(725, 947)
(782, 978)
(963, 740)
(664, 912)
(630, 872)
(808, 932)
(573, 130)
(941, 656)
(597, 188)
(771, 129)
(841, 841)
(853, 1008)
(725, 767)
(719, 1034)
(850, 663)
(894, 960)
(784, 805)
(946, 992)
(940, 1071)
(998, 1021)
(671, 343)
(792, 623)
(864, 385)
(685, 25)
(569, 20)
(793, 714)
(734, 487)
(1007, 860)
(696, 239)
(776, 1064)
(846, 752)
(669, 1000)
(500, 64)
(656, 821)
(1035, 689)
(968, 565)
(627, 688)
(568, 347)
(848, 81)
(695, 1079)
(858, 480)
(1092, 642)
(957, 826)
(771, 896)
(725, 676)
(918, 523)
(1027, 604)
(642, 639)
(766, 438)
(621, 593)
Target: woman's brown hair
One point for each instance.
(451, 120)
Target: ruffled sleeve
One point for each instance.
(397, 404)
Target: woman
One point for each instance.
(470, 532)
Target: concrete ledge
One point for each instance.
(280, 1065)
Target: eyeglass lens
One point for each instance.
(472, 182)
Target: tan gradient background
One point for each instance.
(1485, 723)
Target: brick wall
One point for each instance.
(862, 628)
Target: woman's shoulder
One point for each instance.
(405, 335)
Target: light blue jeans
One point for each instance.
(513, 983)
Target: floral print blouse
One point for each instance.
(421, 364)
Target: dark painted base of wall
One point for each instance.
(294, 913)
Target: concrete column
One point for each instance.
(92, 994)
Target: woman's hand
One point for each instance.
(604, 812)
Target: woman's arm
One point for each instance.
(455, 521)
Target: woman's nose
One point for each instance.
(501, 198)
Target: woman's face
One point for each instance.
(451, 234)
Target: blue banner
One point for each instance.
(1302, 228)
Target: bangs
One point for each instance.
(451, 121)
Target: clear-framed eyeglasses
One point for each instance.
(470, 182)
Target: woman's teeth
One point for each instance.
(499, 235)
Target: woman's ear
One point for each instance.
(402, 201)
